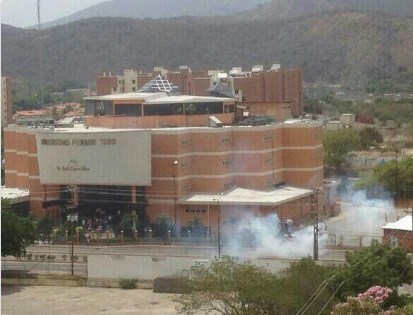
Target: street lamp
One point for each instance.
(71, 189)
(174, 164)
(397, 171)
(219, 224)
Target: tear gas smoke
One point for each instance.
(267, 236)
(364, 215)
(253, 236)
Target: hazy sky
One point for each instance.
(23, 13)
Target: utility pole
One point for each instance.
(71, 189)
(314, 212)
(175, 165)
(410, 211)
(397, 171)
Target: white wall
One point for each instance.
(151, 267)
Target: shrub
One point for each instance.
(51, 257)
(29, 256)
(64, 257)
(170, 285)
(42, 257)
(128, 284)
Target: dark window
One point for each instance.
(203, 108)
(128, 110)
(163, 109)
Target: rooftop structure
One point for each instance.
(399, 233)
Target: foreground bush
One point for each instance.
(128, 284)
(170, 285)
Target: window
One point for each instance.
(268, 137)
(226, 140)
(186, 187)
(269, 161)
(269, 183)
(185, 164)
(227, 162)
(194, 210)
(133, 81)
(228, 185)
(185, 142)
(133, 88)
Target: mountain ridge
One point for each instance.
(156, 9)
(338, 47)
(233, 9)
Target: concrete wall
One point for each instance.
(151, 267)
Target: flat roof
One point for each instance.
(404, 224)
(242, 196)
(14, 194)
(156, 98)
(84, 129)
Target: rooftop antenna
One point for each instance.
(40, 53)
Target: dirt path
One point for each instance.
(82, 300)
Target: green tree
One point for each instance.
(16, 233)
(369, 137)
(128, 222)
(337, 145)
(163, 225)
(301, 280)
(45, 227)
(226, 287)
(376, 265)
(385, 176)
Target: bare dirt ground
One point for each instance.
(47, 300)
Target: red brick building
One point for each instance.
(197, 161)
(276, 92)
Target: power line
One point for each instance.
(358, 275)
(352, 266)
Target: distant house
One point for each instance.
(399, 233)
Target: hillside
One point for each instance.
(253, 9)
(351, 47)
(287, 9)
(159, 9)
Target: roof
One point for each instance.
(404, 224)
(158, 84)
(244, 196)
(157, 98)
(14, 194)
(218, 89)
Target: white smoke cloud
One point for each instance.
(255, 237)
(364, 215)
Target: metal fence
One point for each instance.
(46, 264)
(351, 240)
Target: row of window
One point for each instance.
(227, 162)
(185, 164)
(194, 210)
(186, 187)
